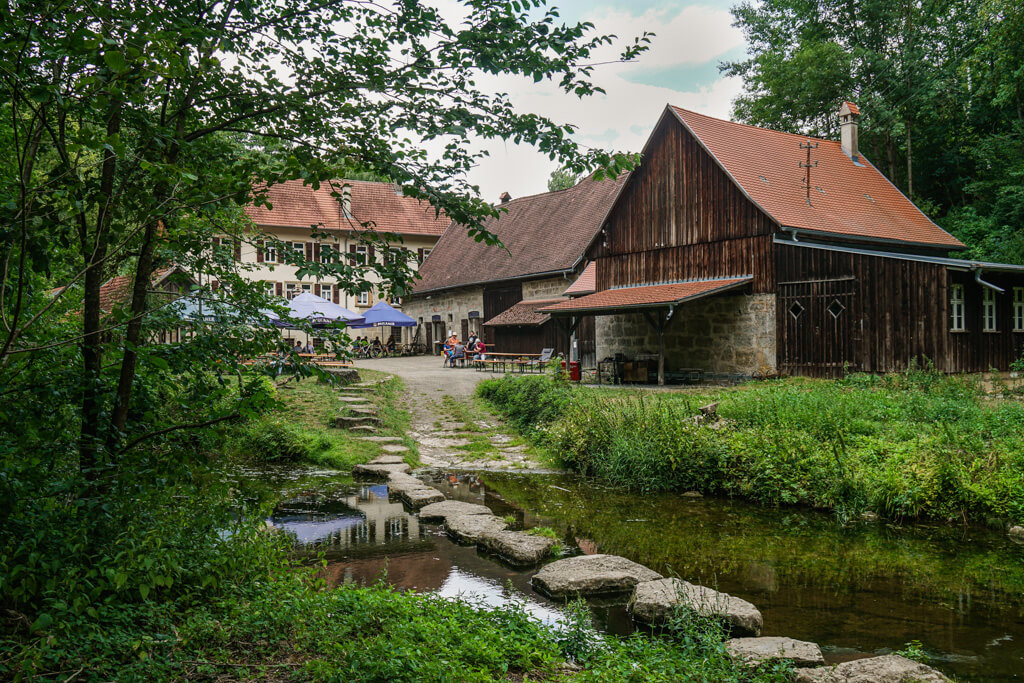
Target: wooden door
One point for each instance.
(465, 329)
(818, 333)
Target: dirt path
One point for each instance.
(451, 429)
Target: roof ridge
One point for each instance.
(760, 128)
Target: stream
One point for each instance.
(856, 589)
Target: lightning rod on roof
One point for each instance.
(808, 165)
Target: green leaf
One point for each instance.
(115, 60)
(41, 622)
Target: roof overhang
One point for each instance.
(965, 265)
(641, 297)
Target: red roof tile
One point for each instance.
(523, 313)
(645, 296)
(544, 233)
(586, 283)
(118, 289)
(846, 199)
(300, 206)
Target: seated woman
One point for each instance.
(480, 350)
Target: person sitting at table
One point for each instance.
(458, 353)
(447, 349)
(308, 348)
(480, 350)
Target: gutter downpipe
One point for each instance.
(977, 278)
(792, 233)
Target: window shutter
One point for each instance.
(238, 250)
(259, 252)
(419, 255)
(316, 252)
(316, 289)
(214, 285)
(371, 257)
(278, 289)
(352, 250)
(309, 251)
(335, 294)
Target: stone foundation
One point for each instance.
(723, 333)
(453, 306)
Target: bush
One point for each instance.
(273, 439)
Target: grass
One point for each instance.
(301, 430)
(913, 445)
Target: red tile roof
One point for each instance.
(523, 313)
(544, 233)
(645, 296)
(118, 289)
(586, 283)
(300, 206)
(846, 199)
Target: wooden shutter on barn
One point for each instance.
(259, 252)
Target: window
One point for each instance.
(270, 254)
(291, 290)
(271, 288)
(327, 253)
(326, 291)
(956, 308)
(1018, 309)
(362, 249)
(988, 310)
(300, 249)
(363, 299)
(307, 289)
(396, 254)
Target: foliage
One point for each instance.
(562, 179)
(939, 88)
(917, 444)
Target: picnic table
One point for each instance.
(325, 360)
(522, 361)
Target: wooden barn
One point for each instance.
(495, 291)
(740, 250)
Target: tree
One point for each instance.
(562, 179)
(136, 131)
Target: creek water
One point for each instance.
(856, 589)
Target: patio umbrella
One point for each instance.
(383, 315)
(318, 311)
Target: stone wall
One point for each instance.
(452, 305)
(550, 288)
(716, 334)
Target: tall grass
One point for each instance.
(918, 444)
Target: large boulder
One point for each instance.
(380, 470)
(1016, 533)
(468, 528)
(441, 511)
(887, 669)
(654, 601)
(591, 575)
(757, 650)
(517, 547)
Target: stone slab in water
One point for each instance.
(412, 491)
(653, 602)
(382, 439)
(382, 470)
(757, 650)
(1016, 533)
(517, 547)
(887, 669)
(387, 460)
(441, 511)
(469, 528)
(591, 575)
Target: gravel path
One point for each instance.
(447, 439)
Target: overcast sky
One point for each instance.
(681, 68)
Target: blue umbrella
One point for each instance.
(383, 315)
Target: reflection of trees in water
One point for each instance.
(364, 517)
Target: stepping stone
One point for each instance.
(352, 399)
(756, 650)
(590, 575)
(653, 601)
(412, 491)
(1016, 533)
(382, 439)
(364, 429)
(394, 448)
(886, 669)
(517, 547)
(364, 409)
(469, 528)
(387, 460)
(381, 470)
(439, 512)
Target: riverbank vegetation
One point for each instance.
(912, 445)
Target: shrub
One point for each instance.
(275, 440)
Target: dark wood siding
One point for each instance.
(528, 338)
(899, 313)
(742, 256)
(678, 196)
(496, 300)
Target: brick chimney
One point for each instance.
(505, 197)
(848, 115)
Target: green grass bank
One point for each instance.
(912, 445)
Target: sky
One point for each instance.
(680, 68)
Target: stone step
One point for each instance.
(364, 429)
(352, 399)
(365, 409)
(590, 575)
(387, 460)
(394, 448)
(348, 422)
(382, 439)
(653, 602)
(516, 547)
